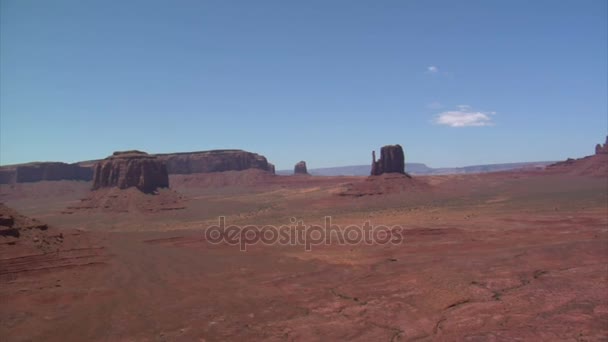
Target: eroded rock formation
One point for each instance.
(22, 236)
(14, 224)
(131, 169)
(176, 163)
(214, 161)
(599, 149)
(300, 168)
(47, 171)
(391, 160)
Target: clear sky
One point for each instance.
(454, 82)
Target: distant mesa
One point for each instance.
(176, 163)
(129, 152)
(131, 169)
(130, 181)
(44, 171)
(300, 168)
(214, 161)
(391, 160)
(602, 149)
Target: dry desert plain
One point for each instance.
(519, 255)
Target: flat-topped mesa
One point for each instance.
(134, 153)
(300, 168)
(131, 169)
(214, 161)
(44, 171)
(391, 160)
(599, 149)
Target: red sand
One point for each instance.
(492, 257)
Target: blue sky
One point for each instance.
(454, 82)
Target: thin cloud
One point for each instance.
(465, 116)
(432, 69)
(434, 105)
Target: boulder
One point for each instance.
(300, 168)
(131, 169)
(391, 160)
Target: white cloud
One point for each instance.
(464, 117)
(432, 69)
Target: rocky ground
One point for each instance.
(492, 257)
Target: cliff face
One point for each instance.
(131, 169)
(51, 171)
(8, 176)
(214, 161)
(391, 160)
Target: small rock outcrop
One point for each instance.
(131, 169)
(13, 224)
(391, 160)
(300, 168)
(602, 149)
(21, 235)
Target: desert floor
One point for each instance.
(489, 257)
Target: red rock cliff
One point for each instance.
(131, 169)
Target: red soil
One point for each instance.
(506, 256)
(129, 200)
(387, 183)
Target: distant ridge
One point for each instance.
(422, 169)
